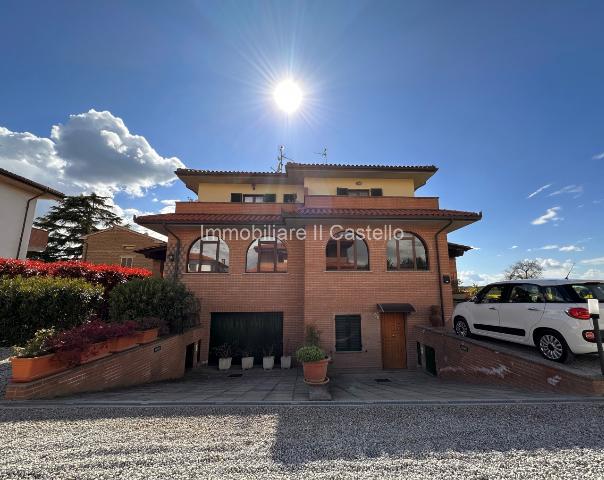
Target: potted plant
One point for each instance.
(286, 359)
(225, 356)
(147, 329)
(35, 359)
(121, 336)
(268, 359)
(247, 360)
(314, 363)
(82, 344)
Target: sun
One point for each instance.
(288, 96)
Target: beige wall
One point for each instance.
(391, 187)
(221, 192)
(13, 202)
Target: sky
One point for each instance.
(506, 98)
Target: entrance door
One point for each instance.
(394, 341)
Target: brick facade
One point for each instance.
(107, 247)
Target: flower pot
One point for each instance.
(315, 372)
(28, 369)
(146, 336)
(224, 363)
(95, 352)
(286, 361)
(268, 363)
(247, 363)
(119, 344)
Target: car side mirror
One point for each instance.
(474, 299)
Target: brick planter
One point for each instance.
(119, 344)
(28, 369)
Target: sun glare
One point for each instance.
(288, 96)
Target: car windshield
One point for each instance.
(589, 290)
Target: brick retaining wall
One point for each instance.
(163, 359)
(478, 361)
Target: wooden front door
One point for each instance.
(394, 341)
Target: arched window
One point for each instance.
(266, 255)
(346, 251)
(407, 252)
(208, 254)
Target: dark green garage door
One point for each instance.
(253, 332)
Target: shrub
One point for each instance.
(169, 301)
(223, 351)
(108, 276)
(37, 346)
(310, 353)
(312, 336)
(29, 304)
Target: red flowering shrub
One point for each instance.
(108, 276)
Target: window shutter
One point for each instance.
(289, 198)
(376, 192)
(236, 197)
(342, 191)
(270, 198)
(348, 333)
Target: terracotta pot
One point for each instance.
(146, 336)
(247, 363)
(119, 344)
(95, 352)
(28, 369)
(315, 372)
(224, 363)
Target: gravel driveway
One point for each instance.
(477, 442)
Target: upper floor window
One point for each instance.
(208, 254)
(253, 198)
(407, 252)
(266, 255)
(289, 198)
(126, 261)
(346, 251)
(359, 192)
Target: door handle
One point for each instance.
(492, 308)
(533, 309)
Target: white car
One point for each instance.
(550, 314)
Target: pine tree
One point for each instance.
(71, 219)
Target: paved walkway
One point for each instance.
(208, 386)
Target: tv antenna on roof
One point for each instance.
(280, 159)
(568, 274)
(323, 154)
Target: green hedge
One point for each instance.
(169, 301)
(29, 304)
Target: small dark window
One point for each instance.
(236, 197)
(348, 333)
(262, 198)
(342, 191)
(289, 198)
(376, 192)
(270, 198)
(358, 192)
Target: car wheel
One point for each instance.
(552, 346)
(461, 327)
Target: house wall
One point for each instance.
(13, 202)
(109, 246)
(308, 294)
(221, 192)
(392, 187)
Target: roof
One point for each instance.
(193, 171)
(395, 307)
(342, 166)
(417, 213)
(457, 249)
(52, 193)
(207, 218)
(120, 227)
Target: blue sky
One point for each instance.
(504, 97)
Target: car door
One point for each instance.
(522, 309)
(485, 311)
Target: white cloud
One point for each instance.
(553, 268)
(539, 190)
(594, 261)
(599, 156)
(127, 215)
(471, 277)
(513, 247)
(170, 206)
(593, 274)
(550, 215)
(549, 247)
(571, 248)
(568, 189)
(91, 152)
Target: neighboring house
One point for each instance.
(18, 198)
(38, 240)
(259, 290)
(119, 246)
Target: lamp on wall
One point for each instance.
(171, 257)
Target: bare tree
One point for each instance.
(523, 269)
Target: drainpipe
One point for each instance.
(177, 254)
(440, 280)
(25, 222)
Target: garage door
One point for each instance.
(252, 331)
